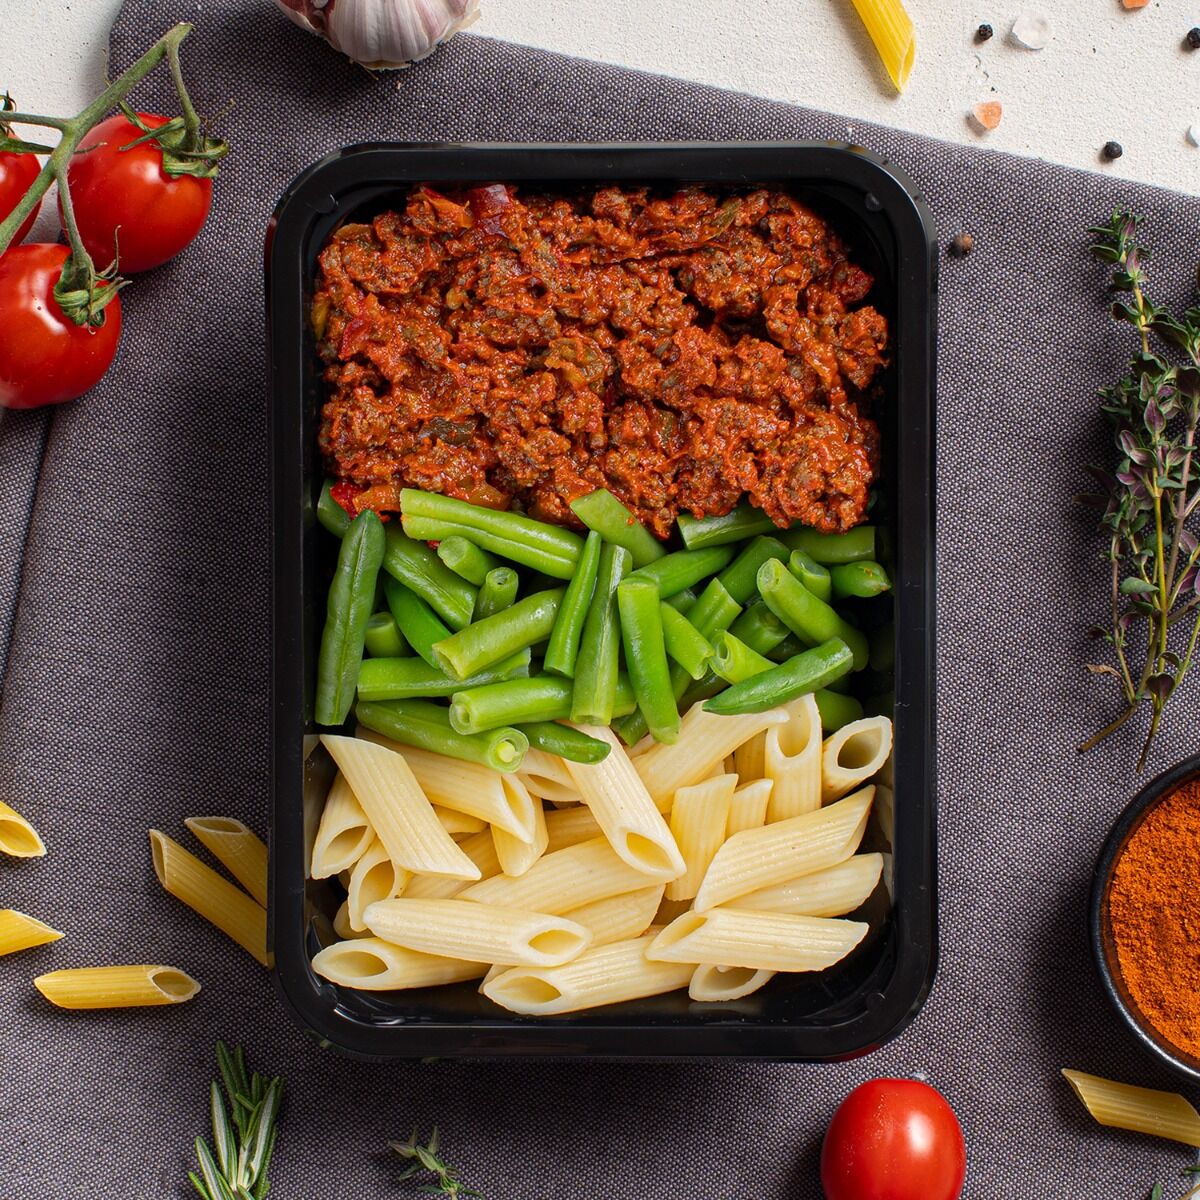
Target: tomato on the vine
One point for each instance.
(126, 204)
(893, 1139)
(45, 358)
(17, 173)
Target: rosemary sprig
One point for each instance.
(244, 1128)
(425, 1159)
(1152, 497)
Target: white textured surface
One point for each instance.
(1107, 74)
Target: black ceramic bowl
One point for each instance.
(1100, 929)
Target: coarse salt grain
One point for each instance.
(987, 115)
(1193, 134)
(1033, 31)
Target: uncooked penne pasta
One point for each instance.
(341, 924)
(792, 761)
(515, 854)
(458, 822)
(748, 762)
(748, 808)
(373, 965)
(714, 984)
(760, 858)
(891, 29)
(619, 917)
(399, 811)
(699, 814)
(704, 739)
(732, 937)
(21, 932)
(1140, 1109)
(116, 987)
(17, 836)
(570, 826)
(374, 877)
(832, 892)
(237, 848)
(344, 833)
(602, 975)
(478, 932)
(480, 848)
(853, 755)
(210, 895)
(614, 791)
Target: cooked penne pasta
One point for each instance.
(399, 812)
(704, 739)
(885, 812)
(853, 755)
(517, 856)
(373, 965)
(210, 895)
(832, 892)
(761, 941)
(343, 835)
(748, 808)
(760, 858)
(714, 984)
(21, 932)
(602, 975)
(116, 987)
(480, 848)
(1140, 1109)
(341, 923)
(699, 814)
(546, 776)
(886, 774)
(478, 932)
(455, 823)
(792, 761)
(891, 29)
(570, 826)
(619, 917)
(748, 760)
(17, 836)
(668, 910)
(375, 877)
(619, 801)
(237, 848)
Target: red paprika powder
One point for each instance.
(1154, 914)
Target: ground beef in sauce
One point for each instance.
(681, 350)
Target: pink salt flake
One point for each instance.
(987, 115)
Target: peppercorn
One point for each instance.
(961, 246)
(1192, 40)
(1111, 151)
(984, 32)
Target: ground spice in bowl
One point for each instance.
(1154, 917)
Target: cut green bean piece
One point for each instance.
(414, 679)
(599, 656)
(734, 661)
(631, 729)
(814, 575)
(427, 726)
(703, 689)
(513, 702)
(715, 610)
(602, 512)
(760, 628)
(646, 656)
(565, 742)
(418, 622)
(743, 522)
(836, 710)
(740, 578)
(466, 559)
(855, 544)
(809, 671)
(563, 649)
(498, 592)
(421, 571)
(685, 644)
(682, 602)
(330, 513)
(788, 648)
(684, 568)
(536, 558)
(812, 620)
(383, 637)
(862, 579)
(493, 639)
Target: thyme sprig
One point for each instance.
(426, 1159)
(1152, 497)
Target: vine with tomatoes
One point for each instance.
(134, 189)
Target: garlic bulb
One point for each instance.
(382, 33)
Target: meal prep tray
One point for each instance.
(847, 1010)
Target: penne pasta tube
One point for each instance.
(343, 834)
(853, 755)
(698, 818)
(570, 826)
(237, 848)
(748, 808)
(17, 836)
(711, 983)
(478, 932)
(399, 812)
(458, 822)
(517, 856)
(375, 877)
(748, 759)
(546, 776)
(619, 918)
(792, 761)
(210, 895)
(602, 975)
(618, 799)
(886, 774)
(668, 910)
(760, 858)
(704, 739)
(373, 965)
(1139, 1109)
(341, 923)
(891, 30)
(732, 937)
(885, 813)
(21, 932)
(480, 848)
(832, 892)
(116, 987)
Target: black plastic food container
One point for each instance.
(840, 1013)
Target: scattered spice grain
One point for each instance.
(961, 246)
(1192, 38)
(1111, 151)
(984, 33)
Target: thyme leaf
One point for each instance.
(425, 1159)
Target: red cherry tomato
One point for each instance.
(17, 173)
(45, 358)
(126, 205)
(893, 1139)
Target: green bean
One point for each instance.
(682, 602)
(760, 628)
(743, 522)
(646, 656)
(702, 689)
(788, 648)
(863, 579)
(565, 741)
(421, 571)
(383, 637)
(734, 661)
(631, 729)
(843, 685)
(427, 726)
(414, 679)
(807, 672)
(568, 628)
(832, 547)
(513, 702)
(812, 620)
(465, 558)
(814, 575)
(330, 513)
(602, 512)
(498, 592)
(741, 576)
(416, 620)
(351, 599)
(685, 644)
(515, 628)
(883, 647)
(714, 611)
(600, 647)
(836, 710)
(537, 558)
(684, 568)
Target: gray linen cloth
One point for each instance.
(136, 688)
